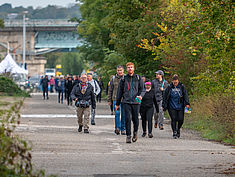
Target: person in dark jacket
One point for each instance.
(61, 90)
(147, 109)
(76, 80)
(130, 91)
(159, 85)
(101, 85)
(175, 99)
(44, 83)
(68, 88)
(83, 95)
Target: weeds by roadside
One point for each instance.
(214, 117)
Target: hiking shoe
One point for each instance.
(134, 139)
(144, 134)
(155, 125)
(93, 122)
(80, 128)
(123, 132)
(175, 135)
(86, 131)
(178, 133)
(161, 127)
(150, 135)
(128, 139)
(117, 131)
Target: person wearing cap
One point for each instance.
(175, 99)
(130, 91)
(61, 90)
(159, 85)
(96, 88)
(146, 109)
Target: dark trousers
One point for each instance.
(131, 112)
(52, 88)
(111, 107)
(177, 119)
(147, 116)
(45, 91)
(60, 96)
(69, 99)
(98, 97)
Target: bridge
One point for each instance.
(42, 36)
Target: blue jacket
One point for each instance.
(60, 85)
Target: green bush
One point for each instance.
(15, 157)
(9, 88)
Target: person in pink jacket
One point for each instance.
(52, 84)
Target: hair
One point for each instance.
(84, 74)
(120, 66)
(175, 77)
(89, 74)
(130, 63)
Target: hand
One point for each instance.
(109, 103)
(162, 89)
(187, 106)
(117, 107)
(139, 97)
(75, 99)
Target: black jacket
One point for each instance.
(129, 88)
(167, 93)
(69, 86)
(44, 82)
(149, 100)
(88, 96)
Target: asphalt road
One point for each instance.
(60, 149)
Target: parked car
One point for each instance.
(20, 80)
(34, 82)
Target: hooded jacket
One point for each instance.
(129, 88)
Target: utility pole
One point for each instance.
(24, 37)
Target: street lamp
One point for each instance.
(24, 37)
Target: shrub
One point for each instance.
(9, 88)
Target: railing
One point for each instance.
(39, 23)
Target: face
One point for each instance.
(130, 69)
(89, 77)
(83, 78)
(120, 71)
(158, 76)
(175, 82)
(144, 79)
(147, 86)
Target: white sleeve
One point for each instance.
(98, 88)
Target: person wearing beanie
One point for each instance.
(146, 109)
(159, 85)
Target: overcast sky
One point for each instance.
(37, 3)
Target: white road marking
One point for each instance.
(62, 116)
(25, 126)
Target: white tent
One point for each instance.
(9, 65)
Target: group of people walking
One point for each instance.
(132, 95)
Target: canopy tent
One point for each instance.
(9, 65)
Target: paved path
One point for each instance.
(60, 149)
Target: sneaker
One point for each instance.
(178, 133)
(117, 131)
(47, 98)
(155, 125)
(161, 127)
(175, 135)
(150, 135)
(128, 139)
(80, 128)
(144, 134)
(86, 131)
(93, 122)
(112, 113)
(134, 139)
(123, 132)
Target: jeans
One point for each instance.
(45, 91)
(177, 116)
(131, 113)
(147, 116)
(60, 96)
(119, 124)
(159, 117)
